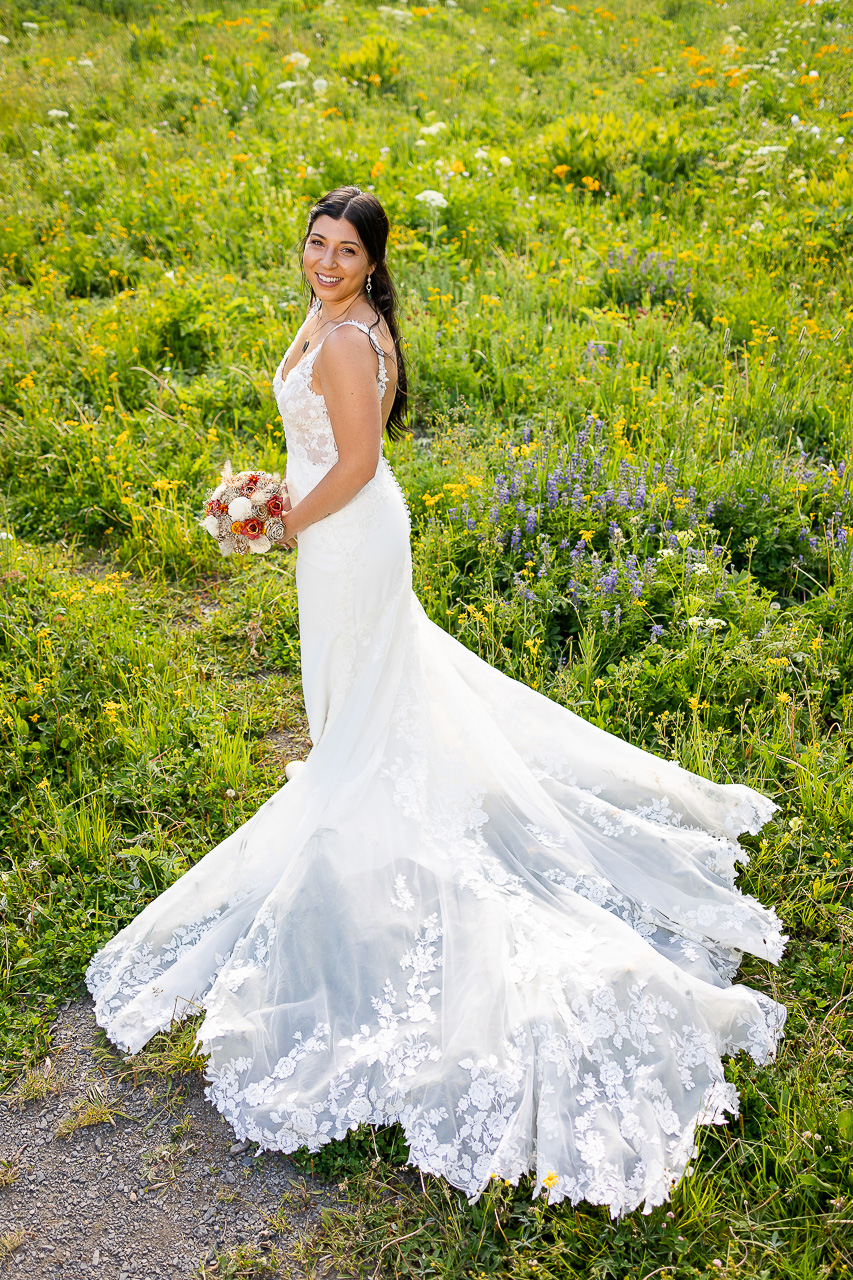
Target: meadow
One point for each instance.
(622, 237)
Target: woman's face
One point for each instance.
(335, 260)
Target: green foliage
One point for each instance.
(375, 64)
(628, 334)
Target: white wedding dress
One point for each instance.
(471, 911)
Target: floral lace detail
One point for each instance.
(308, 428)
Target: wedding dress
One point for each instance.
(471, 911)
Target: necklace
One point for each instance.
(325, 322)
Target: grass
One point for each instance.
(629, 339)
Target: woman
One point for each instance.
(470, 911)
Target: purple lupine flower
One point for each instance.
(515, 540)
(657, 631)
(610, 581)
(617, 617)
(526, 434)
(494, 514)
(577, 498)
(532, 516)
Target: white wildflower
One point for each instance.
(211, 524)
(432, 199)
(433, 129)
(505, 161)
(320, 86)
(30, 26)
(85, 62)
(287, 84)
(56, 114)
(300, 60)
(5, 40)
(481, 154)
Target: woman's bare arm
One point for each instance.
(346, 371)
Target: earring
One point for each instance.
(368, 286)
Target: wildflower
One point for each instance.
(432, 199)
(560, 170)
(505, 161)
(587, 535)
(783, 697)
(550, 1180)
(112, 709)
(433, 129)
(44, 785)
(320, 86)
(56, 114)
(297, 59)
(378, 168)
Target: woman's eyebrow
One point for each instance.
(320, 236)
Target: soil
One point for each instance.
(155, 1193)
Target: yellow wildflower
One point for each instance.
(550, 1180)
(43, 785)
(783, 697)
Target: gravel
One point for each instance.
(151, 1195)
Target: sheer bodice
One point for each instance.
(471, 912)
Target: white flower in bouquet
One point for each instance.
(240, 508)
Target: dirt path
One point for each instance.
(154, 1194)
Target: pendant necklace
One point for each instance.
(307, 340)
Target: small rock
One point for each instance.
(132, 1197)
(96, 1258)
(237, 1148)
(40, 1175)
(98, 1144)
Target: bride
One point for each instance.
(470, 911)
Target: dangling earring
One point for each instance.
(368, 286)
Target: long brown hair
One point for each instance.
(370, 220)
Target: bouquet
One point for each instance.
(244, 512)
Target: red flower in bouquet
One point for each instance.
(275, 505)
(253, 528)
(251, 484)
(214, 507)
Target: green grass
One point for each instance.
(629, 342)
